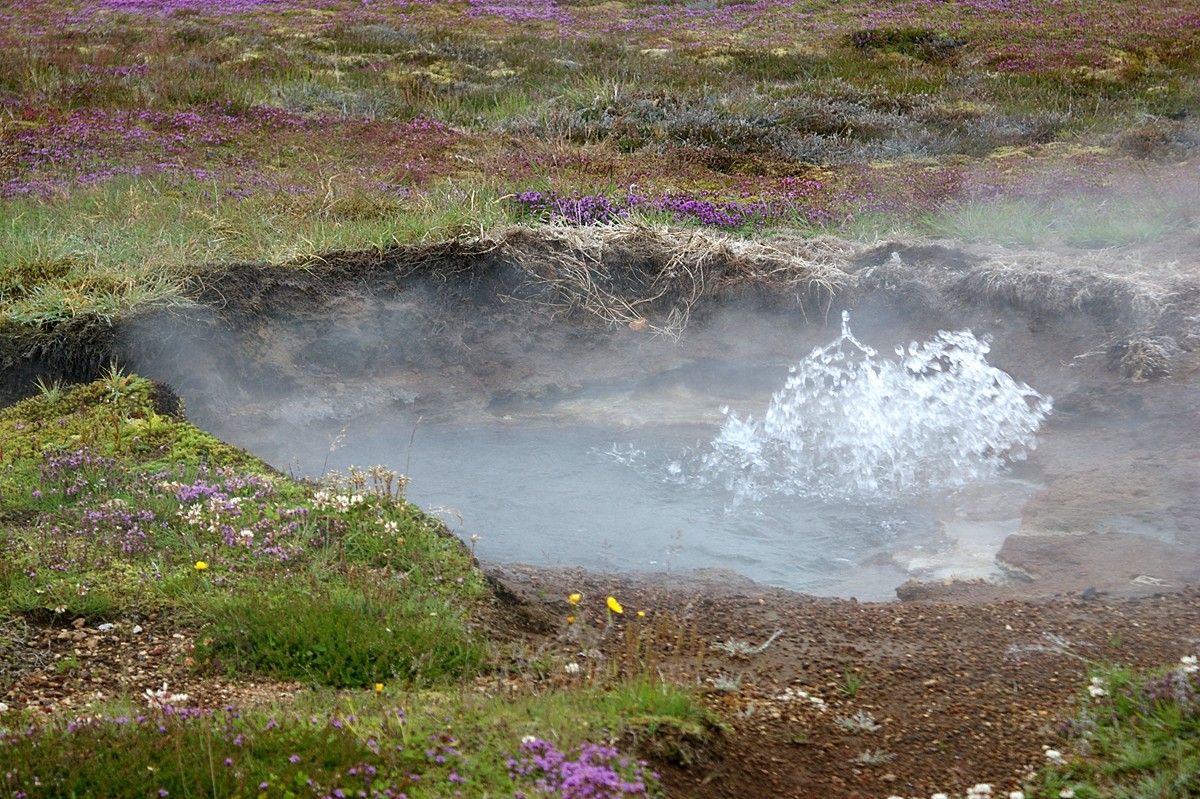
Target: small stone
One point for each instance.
(137, 628)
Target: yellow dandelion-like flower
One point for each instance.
(378, 687)
(641, 614)
(615, 606)
(570, 619)
(201, 565)
(574, 598)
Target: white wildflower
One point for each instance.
(3, 708)
(572, 668)
(1016, 795)
(1066, 793)
(1097, 689)
(193, 515)
(1188, 664)
(794, 694)
(528, 739)
(162, 697)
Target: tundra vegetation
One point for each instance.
(141, 140)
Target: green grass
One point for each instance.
(430, 745)
(1136, 736)
(101, 490)
(338, 632)
(140, 243)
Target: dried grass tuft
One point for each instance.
(655, 278)
(1143, 358)
(1052, 292)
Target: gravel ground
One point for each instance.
(965, 689)
(848, 699)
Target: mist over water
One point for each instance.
(848, 478)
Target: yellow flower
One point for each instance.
(201, 565)
(615, 606)
(641, 614)
(574, 598)
(570, 619)
(378, 687)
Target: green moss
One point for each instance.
(115, 416)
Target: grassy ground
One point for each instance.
(141, 139)
(138, 139)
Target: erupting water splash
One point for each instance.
(851, 425)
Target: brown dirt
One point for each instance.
(963, 692)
